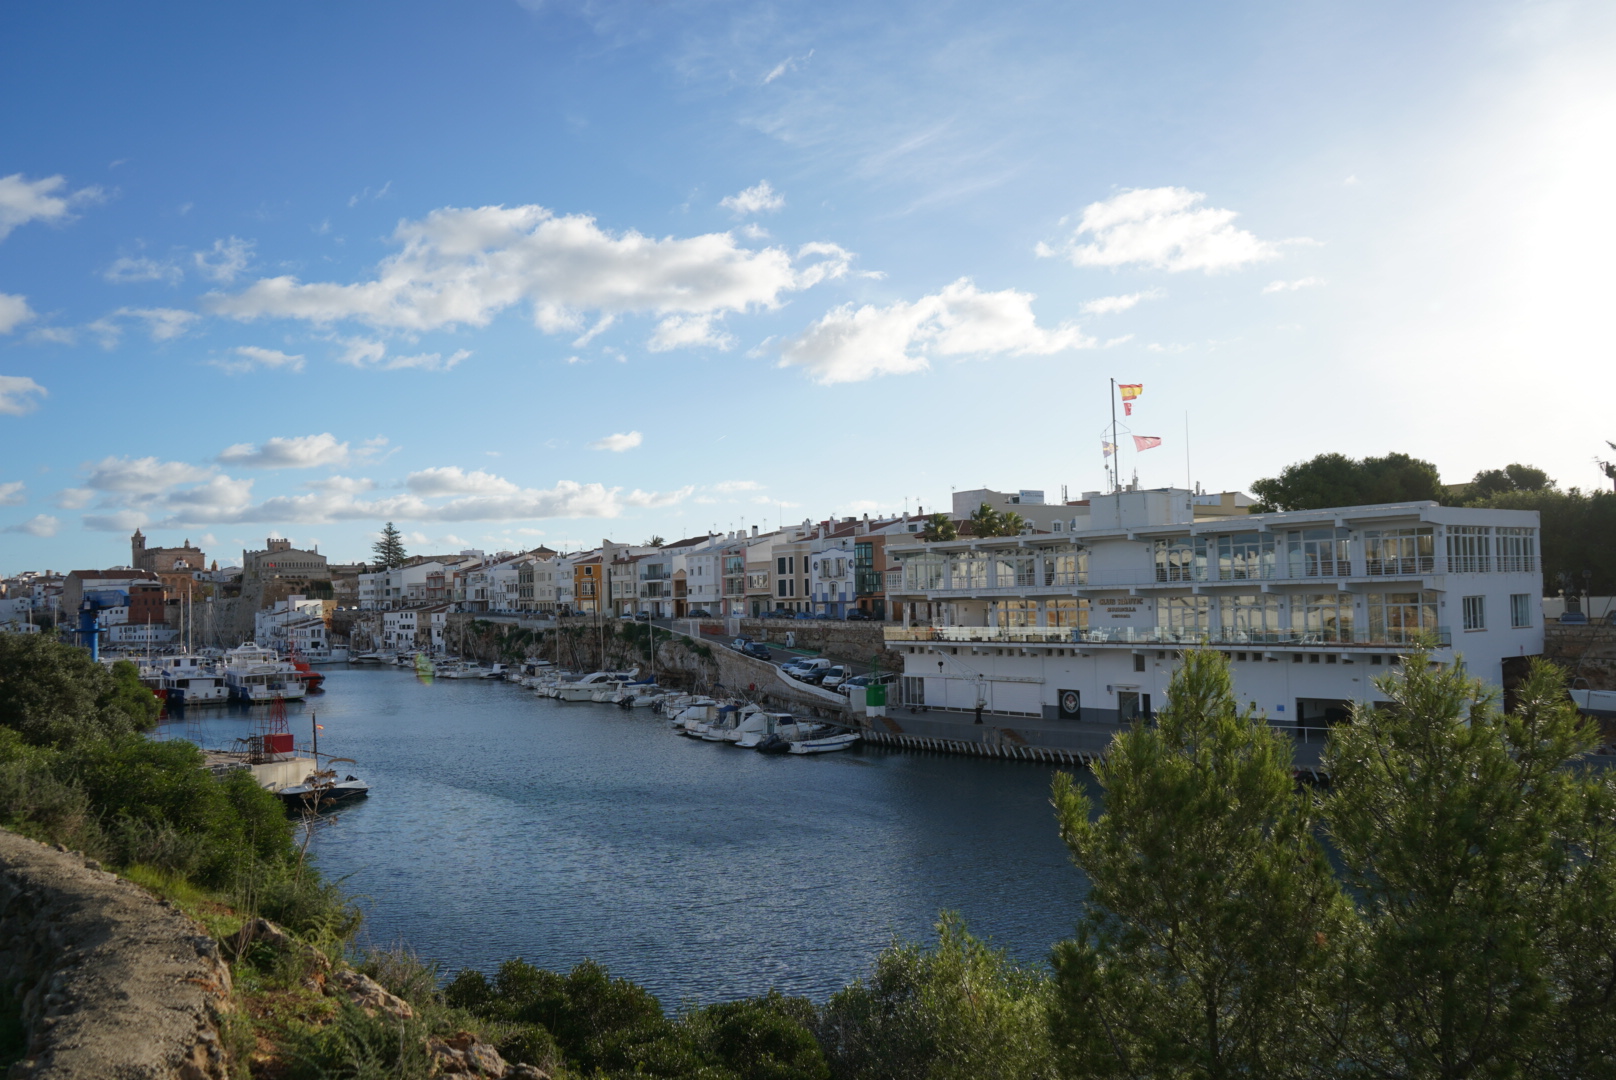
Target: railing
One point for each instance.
(1161, 635)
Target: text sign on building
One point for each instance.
(1107, 611)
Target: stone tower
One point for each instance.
(137, 550)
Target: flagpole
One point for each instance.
(1189, 474)
(1116, 451)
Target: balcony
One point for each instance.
(1160, 635)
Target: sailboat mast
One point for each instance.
(1116, 451)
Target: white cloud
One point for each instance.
(226, 261)
(684, 331)
(163, 324)
(39, 525)
(19, 394)
(730, 487)
(365, 353)
(1165, 228)
(55, 335)
(13, 494)
(618, 443)
(14, 311)
(343, 485)
(601, 325)
(120, 521)
(142, 476)
(850, 345)
(129, 270)
(252, 358)
(1111, 305)
(1291, 286)
(22, 201)
(464, 266)
(656, 500)
(74, 498)
(452, 480)
(754, 200)
(298, 452)
(790, 63)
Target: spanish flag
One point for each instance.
(1131, 390)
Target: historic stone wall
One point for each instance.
(1588, 651)
(839, 640)
(111, 981)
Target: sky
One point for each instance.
(522, 272)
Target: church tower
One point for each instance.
(137, 550)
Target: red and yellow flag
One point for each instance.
(1131, 390)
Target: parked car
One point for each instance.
(780, 613)
(857, 616)
(834, 676)
(643, 616)
(1573, 618)
(811, 671)
(699, 613)
(803, 615)
(740, 644)
(884, 679)
(757, 649)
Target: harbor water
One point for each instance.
(501, 824)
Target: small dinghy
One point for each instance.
(824, 744)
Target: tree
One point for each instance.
(1517, 477)
(1011, 524)
(1213, 920)
(986, 521)
(655, 541)
(1608, 467)
(1575, 533)
(961, 1011)
(1481, 862)
(54, 695)
(1338, 480)
(939, 527)
(389, 549)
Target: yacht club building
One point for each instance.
(1309, 606)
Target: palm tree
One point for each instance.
(939, 527)
(986, 521)
(1609, 467)
(1011, 524)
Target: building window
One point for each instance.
(1475, 613)
(1139, 661)
(1402, 618)
(1520, 610)
(1517, 550)
(1187, 617)
(1399, 551)
(1469, 549)
(1322, 617)
(1175, 560)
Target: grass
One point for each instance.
(206, 907)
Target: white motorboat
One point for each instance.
(584, 688)
(459, 669)
(824, 744)
(755, 727)
(190, 680)
(257, 675)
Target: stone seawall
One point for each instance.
(1589, 651)
(838, 640)
(112, 982)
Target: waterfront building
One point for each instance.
(296, 622)
(1309, 605)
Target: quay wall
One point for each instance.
(857, 641)
(111, 981)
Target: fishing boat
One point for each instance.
(191, 680)
(830, 741)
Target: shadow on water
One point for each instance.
(501, 824)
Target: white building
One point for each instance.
(400, 629)
(1309, 606)
(290, 623)
(830, 575)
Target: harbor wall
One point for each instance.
(111, 982)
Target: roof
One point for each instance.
(114, 575)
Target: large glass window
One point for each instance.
(1012, 570)
(1322, 617)
(1242, 556)
(1064, 567)
(1517, 550)
(1402, 618)
(1318, 552)
(1475, 613)
(923, 573)
(1067, 612)
(1469, 549)
(1399, 551)
(1520, 610)
(1187, 618)
(1175, 559)
(1252, 617)
(1015, 613)
(968, 570)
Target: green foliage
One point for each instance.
(1517, 477)
(1576, 533)
(1338, 480)
(1481, 861)
(54, 694)
(357, 1046)
(1608, 467)
(961, 1011)
(764, 1038)
(1212, 916)
(939, 527)
(389, 549)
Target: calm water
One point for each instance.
(501, 824)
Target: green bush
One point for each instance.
(55, 695)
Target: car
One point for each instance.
(740, 643)
(834, 676)
(857, 616)
(803, 615)
(779, 613)
(643, 616)
(1573, 618)
(700, 613)
(627, 616)
(757, 649)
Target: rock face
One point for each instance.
(368, 994)
(114, 983)
(462, 1054)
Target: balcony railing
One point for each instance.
(1161, 635)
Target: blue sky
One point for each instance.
(516, 273)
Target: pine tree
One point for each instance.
(1213, 919)
(390, 548)
(1482, 859)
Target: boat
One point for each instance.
(257, 676)
(1597, 703)
(371, 658)
(753, 729)
(322, 791)
(827, 743)
(585, 688)
(459, 669)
